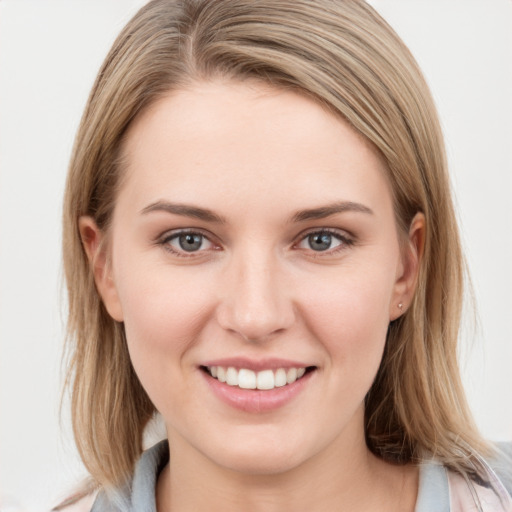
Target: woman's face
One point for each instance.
(253, 239)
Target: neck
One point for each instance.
(345, 476)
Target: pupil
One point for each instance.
(320, 242)
(190, 242)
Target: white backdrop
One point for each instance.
(50, 51)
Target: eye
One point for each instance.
(186, 242)
(324, 240)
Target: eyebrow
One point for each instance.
(185, 210)
(300, 216)
(330, 209)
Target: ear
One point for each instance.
(94, 242)
(408, 271)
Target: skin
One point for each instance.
(255, 156)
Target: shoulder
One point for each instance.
(79, 502)
(465, 495)
(495, 490)
(501, 464)
(443, 490)
(138, 493)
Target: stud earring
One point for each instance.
(401, 307)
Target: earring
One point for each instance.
(401, 307)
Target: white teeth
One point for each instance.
(265, 380)
(232, 377)
(221, 374)
(291, 375)
(280, 378)
(248, 379)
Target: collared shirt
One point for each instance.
(439, 490)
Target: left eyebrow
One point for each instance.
(330, 209)
(185, 210)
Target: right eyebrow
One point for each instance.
(331, 209)
(185, 210)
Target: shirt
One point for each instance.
(440, 490)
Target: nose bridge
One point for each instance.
(257, 303)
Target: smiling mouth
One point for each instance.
(244, 378)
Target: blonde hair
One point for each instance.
(343, 54)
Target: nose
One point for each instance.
(256, 300)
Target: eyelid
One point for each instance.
(345, 238)
(164, 239)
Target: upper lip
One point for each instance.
(256, 364)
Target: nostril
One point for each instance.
(255, 307)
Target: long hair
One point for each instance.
(346, 57)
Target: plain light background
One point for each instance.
(50, 51)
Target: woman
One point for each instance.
(260, 245)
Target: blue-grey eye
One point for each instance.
(320, 241)
(186, 242)
(190, 242)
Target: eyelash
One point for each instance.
(167, 237)
(345, 241)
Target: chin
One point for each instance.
(260, 465)
(259, 457)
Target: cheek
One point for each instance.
(163, 313)
(163, 319)
(349, 315)
(158, 304)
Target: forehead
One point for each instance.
(226, 139)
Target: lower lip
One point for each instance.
(255, 400)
